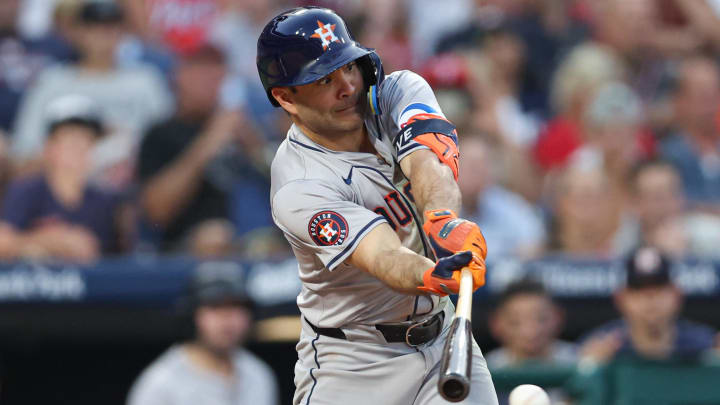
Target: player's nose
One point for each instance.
(347, 86)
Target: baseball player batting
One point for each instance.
(364, 189)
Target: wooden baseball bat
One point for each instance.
(456, 363)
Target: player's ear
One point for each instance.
(284, 97)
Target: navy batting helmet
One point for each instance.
(305, 44)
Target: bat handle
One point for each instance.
(454, 380)
(464, 302)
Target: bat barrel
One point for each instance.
(454, 381)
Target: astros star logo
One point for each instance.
(328, 232)
(326, 34)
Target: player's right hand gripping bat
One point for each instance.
(454, 381)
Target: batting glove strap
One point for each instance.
(444, 277)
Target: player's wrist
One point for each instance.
(430, 284)
(439, 214)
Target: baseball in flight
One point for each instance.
(528, 394)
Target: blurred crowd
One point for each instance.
(587, 127)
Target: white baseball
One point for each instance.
(528, 394)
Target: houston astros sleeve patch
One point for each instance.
(328, 228)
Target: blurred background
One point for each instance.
(135, 144)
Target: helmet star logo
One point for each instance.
(326, 34)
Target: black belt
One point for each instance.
(414, 334)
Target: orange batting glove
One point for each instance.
(444, 277)
(449, 234)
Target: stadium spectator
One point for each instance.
(486, 101)
(386, 30)
(693, 147)
(579, 75)
(625, 27)
(428, 23)
(129, 99)
(212, 368)
(650, 327)
(495, 80)
(634, 32)
(21, 61)
(547, 30)
(511, 225)
(659, 216)
(449, 76)
(585, 213)
(613, 136)
(625, 46)
(58, 213)
(135, 50)
(235, 29)
(189, 165)
(527, 323)
(497, 73)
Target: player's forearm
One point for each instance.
(402, 270)
(381, 254)
(433, 184)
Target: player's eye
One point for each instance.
(351, 66)
(324, 80)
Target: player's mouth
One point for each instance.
(348, 108)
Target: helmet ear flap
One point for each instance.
(373, 75)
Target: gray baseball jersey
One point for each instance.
(326, 201)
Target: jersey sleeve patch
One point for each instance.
(328, 228)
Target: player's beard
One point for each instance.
(335, 123)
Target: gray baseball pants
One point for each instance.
(366, 370)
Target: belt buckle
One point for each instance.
(426, 322)
(407, 334)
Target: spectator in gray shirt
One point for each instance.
(211, 369)
(129, 99)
